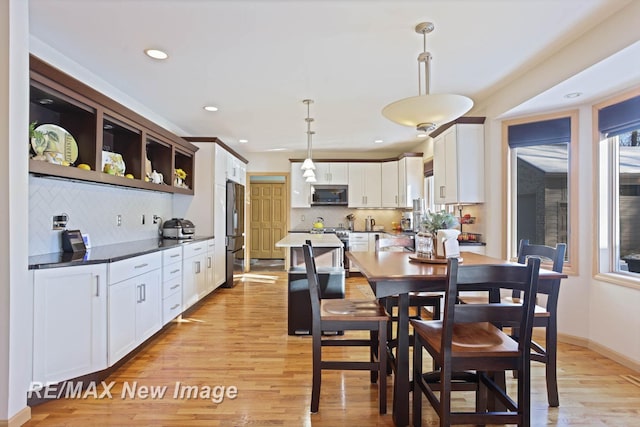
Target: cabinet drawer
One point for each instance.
(172, 255)
(171, 307)
(172, 286)
(172, 272)
(359, 237)
(193, 249)
(131, 267)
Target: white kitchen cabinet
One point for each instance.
(210, 266)
(365, 185)
(236, 170)
(410, 181)
(220, 165)
(458, 164)
(300, 189)
(358, 242)
(135, 303)
(476, 249)
(70, 322)
(389, 196)
(335, 173)
(194, 273)
(219, 227)
(171, 284)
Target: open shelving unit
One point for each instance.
(100, 126)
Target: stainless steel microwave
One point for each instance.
(329, 195)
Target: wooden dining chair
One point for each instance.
(472, 352)
(545, 316)
(346, 315)
(417, 300)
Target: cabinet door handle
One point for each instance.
(174, 307)
(197, 249)
(141, 265)
(143, 287)
(174, 256)
(177, 285)
(138, 291)
(396, 200)
(197, 267)
(208, 262)
(175, 271)
(98, 285)
(442, 191)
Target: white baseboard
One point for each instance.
(18, 419)
(600, 349)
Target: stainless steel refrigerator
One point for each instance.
(234, 233)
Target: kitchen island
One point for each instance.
(327, 249)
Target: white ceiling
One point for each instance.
(257, 60)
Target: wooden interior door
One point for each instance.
(268, 219)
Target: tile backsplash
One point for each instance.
(93, 209)
(335, 215)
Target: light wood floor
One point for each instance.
(238, 338)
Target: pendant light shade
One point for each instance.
(308, 172)
(308, 163)
(426, 112)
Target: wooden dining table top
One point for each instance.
(397, 268)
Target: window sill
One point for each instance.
(627, 280)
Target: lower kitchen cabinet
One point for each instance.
(70, 322)
(194, 280)
(211, 266)
(171, 284)
(135, 303)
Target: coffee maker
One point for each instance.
(406, 222)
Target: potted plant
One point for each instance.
(427, 243)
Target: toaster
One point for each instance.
(178, 228)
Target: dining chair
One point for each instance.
(346, 315)
(545, 316)
(417, 300)
(472, 352)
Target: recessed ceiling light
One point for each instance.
(210, 108)
(421, 135)
(573, 95)
(243, 141)
(378, 141)
(156, 54)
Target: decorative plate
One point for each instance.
(59, 142)
(112, 163)
(431, 260)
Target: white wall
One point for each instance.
(15, 294)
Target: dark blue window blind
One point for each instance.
(556, 131)
(620, 118)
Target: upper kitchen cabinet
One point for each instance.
(410, 180)
(332, 173)
(81, 134)
(300, 189)
(390, 197)
(365, 183)
(458, 162)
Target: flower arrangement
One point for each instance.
(434, 221)
(181, 174)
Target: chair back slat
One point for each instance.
(314, 283)
(546, 253)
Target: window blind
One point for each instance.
(555, 131)
(620, 118)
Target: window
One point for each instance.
(541, 187)
(618, 124)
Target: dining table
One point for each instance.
(398, 274)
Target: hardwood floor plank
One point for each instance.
(238, 338)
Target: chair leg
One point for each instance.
(551, 350)
(374, 353)
(317, 373)
(382, 366)
(417, 376)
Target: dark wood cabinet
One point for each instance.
(105, 132)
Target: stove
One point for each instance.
(342, 234)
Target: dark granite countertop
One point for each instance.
(107, 253)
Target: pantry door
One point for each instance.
(268, 219)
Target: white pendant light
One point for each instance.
(427, 112)
(311, 179)
(308, 172)
(308, 163)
